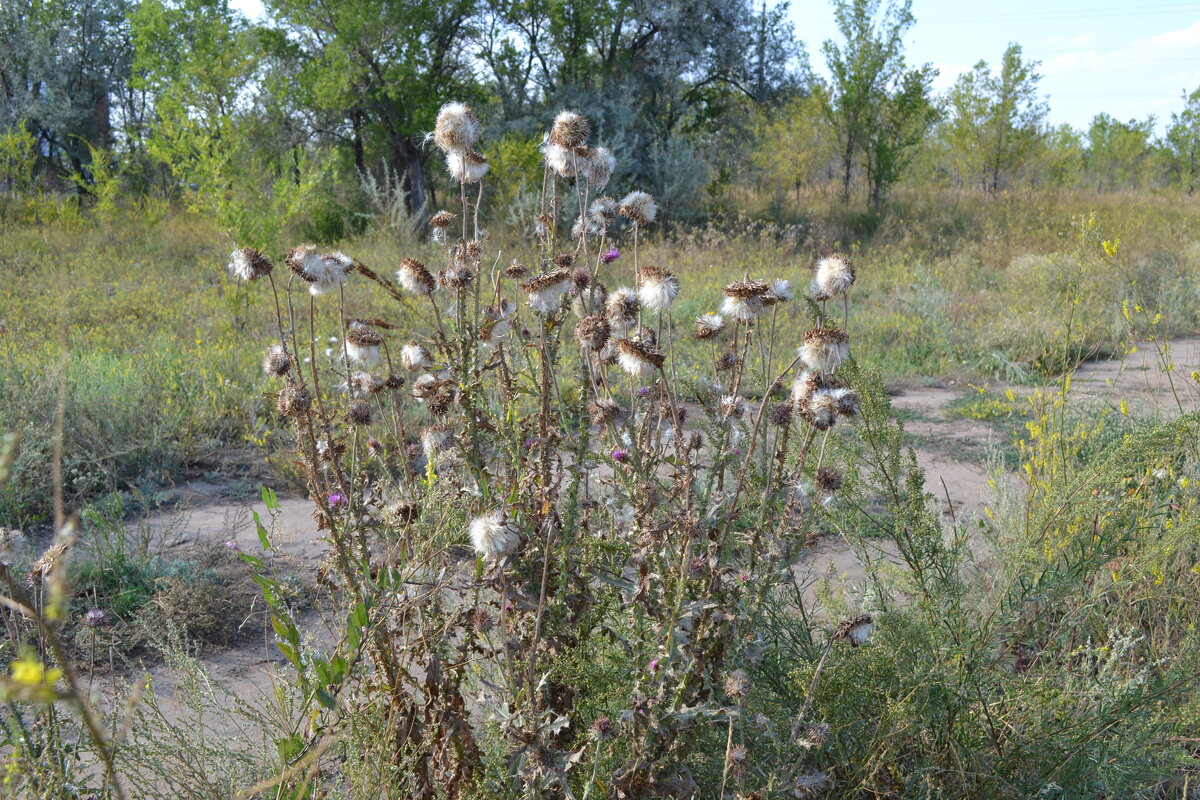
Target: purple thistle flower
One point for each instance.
(336, 500)
(95, 617)
(232, 545)
(654, 665)
(620, 455)
(610, 256)
(736, 451)
(643, 391)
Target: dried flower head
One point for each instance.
(855, 630)
(709, 326)
(305, 262)
(824, 349)
(95, 618)
(435, 440)
(639, 359)
(494, 536)
(569, 130)
(564, 161)
(602, 728)
(733, 407)
(848, 401)
(546, 291)
(744, 300)
(362, 343)
(248, 264)
(820, 409)
(604, 411)
(780, 415)
(496, 323)
(367, 382)
(639, 207)
(335, 268)
(414, 277)
(728, 360)
(456, 128)
(466, 166)
(415, 356)
(442, 219)
(277, 362)
(657, 287)
(604, 209)
(456, 276)
(293, 400)
(515, 269)
(737, 684)
(598, 168)
(622, 309)
(829, 480)
(835, 274)
(361, 412)
(592, 332)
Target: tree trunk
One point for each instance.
(416, 182)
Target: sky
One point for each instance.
(1119, 57)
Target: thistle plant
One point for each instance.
(543, 493)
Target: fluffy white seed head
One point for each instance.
(330, 273)
(824, 349)
(657, 288)
(741, 309)
(782, 288)
(639, 207)
(466, 166)
(415, 356)
(835, 274)
(598, 167)
(709, 326)
(559, 160)
(457, 128)
(494, 536)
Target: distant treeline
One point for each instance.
(322, 108)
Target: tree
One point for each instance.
(871, 86)
(60, 65)
(995, 120)
(373, 74)
(1118, 152)
(1183, 142)
(795, 144)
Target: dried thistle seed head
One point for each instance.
(435, 440)
(277, 362)
(598, 168)
(589, 228)
(442, 219)
(415, 356)
(639, 207)
(622, 308)
(639, 359)
(515, 269)
(563, 161)
(305, 262)
(782, 289)
(569, 129)
(848, 402)
(248, 264)
(393, 382)
(546, 291)
(728, 360)
(709, 326)
(603, 411)
(743, 300)
(414, 277)
(330, 273)
(580, 280)
(657, 287)
(564, 261)
(495, 324)
(456, 276)
(855, 630)
(361, 412)
(824, 349)
(374, 447)
(781, 415)
(737, 759)
(737, 684)
(592, 332)
(590, 300)
(466, 166)
(362, 343)
(494, 536)
(406, 511)
(733, 407)
(293, 400)
(829, 480)
(367, 382)
(481, 620)
(820, 410)
(456, 128)
(603, 210)
(697, 441)
(834, 275)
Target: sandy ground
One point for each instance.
(950, 450)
